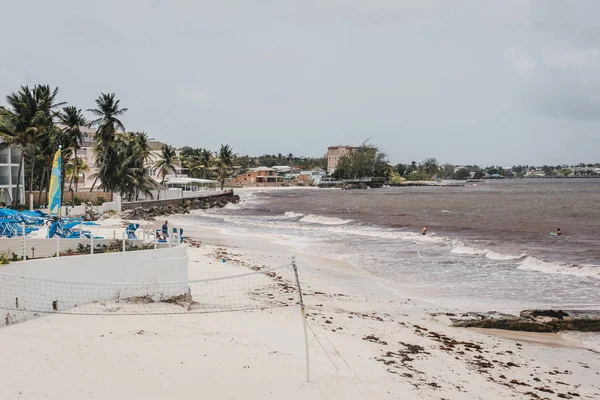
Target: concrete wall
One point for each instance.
(152, 203)
(82, 281)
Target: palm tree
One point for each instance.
(108, 111)
(73, 120)
(133, 155)
(17, 127)
(74, 169)
(46, 113)
(166, 162)
(224, 163)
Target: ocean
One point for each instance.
(488, 245)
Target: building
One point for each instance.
(259, 175)
(10, 159)
(334, 153)
(312, 177)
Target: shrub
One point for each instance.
(100, 200)
(4, 259)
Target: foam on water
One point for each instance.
(320, 220)
(534, 264)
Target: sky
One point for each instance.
(467, 81)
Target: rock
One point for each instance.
(534, 321)
(543, 313)
(149, 214)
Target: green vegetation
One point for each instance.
(366, 161)
(167, 162)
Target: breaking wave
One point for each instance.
(534, 264)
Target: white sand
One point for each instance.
(260, 354)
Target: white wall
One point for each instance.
(81, 280)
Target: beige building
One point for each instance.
(334, 153)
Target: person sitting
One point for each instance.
(423, 231)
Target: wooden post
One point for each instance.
(303, 314)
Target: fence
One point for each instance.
(253, 290)
(27, 295)
(25, 247)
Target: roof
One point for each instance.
(186, 181)
(261, 169)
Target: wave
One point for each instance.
(321, 220)
(585, 270)
(489, 254)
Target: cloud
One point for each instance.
(520, 61)
(195, 98)
(570, 107)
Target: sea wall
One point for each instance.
(146, 204)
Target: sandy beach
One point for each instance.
(365, 341)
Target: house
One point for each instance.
(533, 173)
(334, 153)
(10, 159)
(312, 177)
(262, 175)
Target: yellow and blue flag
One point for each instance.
(54, 194)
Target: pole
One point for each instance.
(155, 240)
(92, 243)
(57, 246)
(124, 241)
(303, 314)
(24, 242)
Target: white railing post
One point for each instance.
(91, 244)
(124, 233)
(155, 240)
(170, 237)
(114, 235)
(24, 243)
(57, 246)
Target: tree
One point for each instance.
(108, 111)
(430, 167)
(566, 172)
(366, 161)
(72, 120)
(462, 174)
(167, 162)
(16, 128)
(401, 169)
(224, 163)
(479, 174)
(75, 168)
(27, 122)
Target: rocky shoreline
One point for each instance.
(187, 205)
(532, 321)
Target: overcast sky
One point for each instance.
(465, 81)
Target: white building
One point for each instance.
(9, 175)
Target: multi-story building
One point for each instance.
(10, 159)
(334, 153)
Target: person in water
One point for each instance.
(558, 232)
(424, 231)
